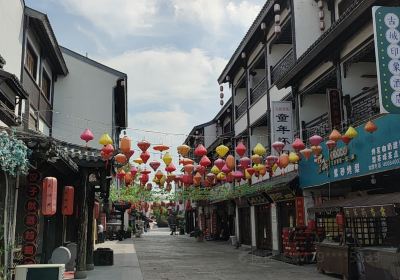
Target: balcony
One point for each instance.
(283, 65)
(259, 90)
(364, 106)
(241, 109)
(319, 125)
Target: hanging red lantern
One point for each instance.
(49, 196)
(159, 175)
(271, 160)
(306, 153)
(170, 168)
(201, 169)
(278, 146)
(68, 201)
(108, 149)
(145, 156)
(298, 145)
(370, 127)
(185, 161)
(154, 165)
(147, 172)
(245, 162)
(134, 171)
(129, 154)
(87, 135)
(219, 163)
(160, 148)
(197, 179)
(144, 178)
(121, 174)
(200, 151)
(96, 210)
(188, 168)
(340, 219)
(143, 145)
(225, 169)
(125, 144)
(205, 161)
(335, 135)
(120, 158)
(128, 179)
(187, 179)
(315, 140)
(346, 139)
(240, 149)
(250, 170)
(238, 175)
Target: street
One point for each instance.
(162, 257)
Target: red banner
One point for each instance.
(300, 219)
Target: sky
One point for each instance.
(172, 50)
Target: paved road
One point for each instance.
(165, 257)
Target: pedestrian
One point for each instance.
(172, 223)
(100, 233)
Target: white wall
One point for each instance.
(259, 135)
(353, 83)
(83, 99)
(253, 227)
(258, 109)
(314, 105)
(277, 95)
(241, 94)
(277, 52)
(210, 134)
(367, 31)
(241, 124)
(307, 24)
(11, 34)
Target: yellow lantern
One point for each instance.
(259, 150)
(293, 158)
(247, 174)
(138, 160)
(167, 158)
(274, 167)
(258, 167)
(257, 159)
(105, 139)
(162, 180)
(351, 132)
(263, 170)
(222, 150)
(155, 180)
(215, 170)
(183, 150)
(221, 176)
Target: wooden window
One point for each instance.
(327, 228)
(46, 85)
(33, 122)
(31, 61)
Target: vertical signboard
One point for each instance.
(387, 51)
(335, 108)
(282, 123)
(300, 211)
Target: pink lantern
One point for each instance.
(271, 160)
(225, 169)
(278, 146)
(200, 150)
(238, 175)
(134, 171)
(205, 161)
(87, 135)
(298, 144)
(154, 165)
(245, 162)
(306, 153)
(315, 140)
(200, 169)
(241, 149)
(331, 144)
(219, 163)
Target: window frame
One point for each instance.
(30, 50)
(45, 75)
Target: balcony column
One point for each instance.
(247, 80)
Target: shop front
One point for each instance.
(263, 227)
(244, 221)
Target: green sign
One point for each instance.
(387, 50)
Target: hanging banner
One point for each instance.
(282, 123)
(387, 52)
(300, 220)
(335, 108)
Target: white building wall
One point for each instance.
(11, 34)
(241, 124)
(258, 109)
(83, 99)
(210, 134)
(366, 32)
(314, 105)
(307, 24)
(277, 95)
(354, 82)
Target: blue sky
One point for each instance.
(172, 50)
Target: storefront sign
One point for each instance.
(366, 154)
(370, 212)
(387, 51)
(300, 221)
(282, 121)
(335, 108)
(281, 194)
(256, 200)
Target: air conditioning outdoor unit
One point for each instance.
(40, 272)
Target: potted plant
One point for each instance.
(198, 234)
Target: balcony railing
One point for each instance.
(259, 90)
(319, 125)
(364, 106)
(241, 109)
(283, 65)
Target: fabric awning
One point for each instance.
(379, 205)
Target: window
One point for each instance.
(33, 123)
(46, 85)
(31, 61)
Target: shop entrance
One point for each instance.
(263, 227)
(287, 217)
(245, 226)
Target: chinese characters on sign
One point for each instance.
(282, 123)
(335, 108)
(384, 155)
(300, 211)
(387, 49)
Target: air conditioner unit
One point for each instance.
(40, 272)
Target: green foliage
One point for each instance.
(13, 154)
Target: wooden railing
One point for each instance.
(319, 125)
(364, 106)
(283, 65)
(241, 109)
(259, 90)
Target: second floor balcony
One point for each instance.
(283, 65)
(241, 109)
(259, 90)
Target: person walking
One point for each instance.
(172, 223)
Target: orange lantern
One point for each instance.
(185, 161)
(160, 148)
(68, 201)
(120, 158)
(230, 162)
(183, 150)
(283, 161)
(197, 179)
(96, 210)
(125, 144)
(188, 168)
(128, 178)
(49, 196)
(335, 135)
(370, 127)
(317, 150)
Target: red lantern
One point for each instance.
(346, 139)
(120, 158)
(108, 149)
(197, 179)
(49, 196)
(238, 175)
(145, 156)
(144, 178)
(225, 169)
(205, 161)
(187, 179)
(96, 210)
(278, 146)
(68, 201)
(154, 165)
(271, 160)
(170, 168)
(200, 151)
(240, 149)
(370, 127)
(331, 144)
(143, 145)
(125, 144)
(219, 163)
(245, 162)
(340, 219)
(188, 168)
(87, 135)
(133, 171)
(298, 145)
(250, 170)
(185, 161)
(121, 174)
(159, 175)
(129, 154)
(160, 148)
(128, 179)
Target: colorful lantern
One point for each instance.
(317, 150)
(294, 158)
(49, 196)
(230, 162)
(351, 133)
(134, 171)
(298, 145)
(210, 177)
(144, 178)
(259, 149)
(258, 167)
(154, 165)
(170, 168)
(283, 161)
(128, 178)
(108, 149)
(335, 135)
(278, 146)
(188, 168)
(159, 175)
(222, 150)
(370, 127)
(215, 170)
(138, 160)
(271, 160)
(200, 151)
(346, 139)
(183, 150)
(129, 154)
(263, 170)
(185, 161)
(187, 179)
(225, 169)
(221, 176)
(229, 177)
(240, 149)
(197, 179)
(238, 175)
(171, 177)
(160, 148)
(145, 171)
(219, 163)
(68, 201)
(245, 162)
(121, 174)
(205, 161)
(331, 144)
(315, 140)
(145, 156)
(201, 169)
(120, 158)
(306, 153)
(247, 174)
(256, 158)
(167, 158)
(125, 144)
(87, 135)
(143, 145)
(105, 139)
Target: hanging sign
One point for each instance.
(335, 108)
(282, 123)
(300, 211)
(387, 51)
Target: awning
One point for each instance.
(380, 205)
